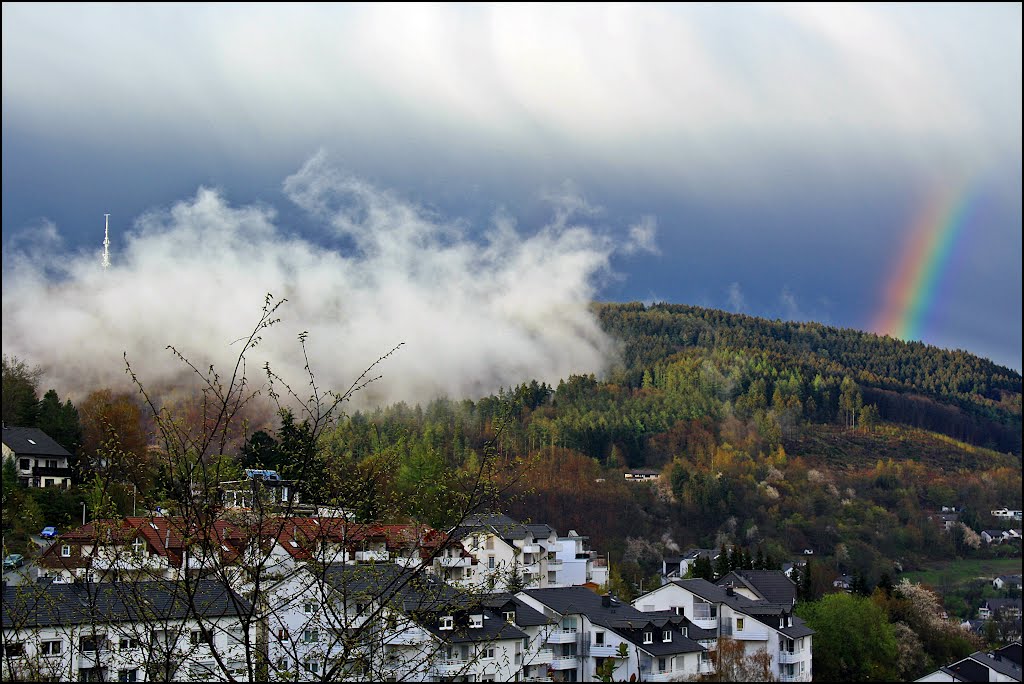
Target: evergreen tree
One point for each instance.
(722, 563)
(59, 421)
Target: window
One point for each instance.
(310, 635)
(128, 675)
(447, 622)
(739, 624)
(648, 637)
(311, 666)
(90, 644)
(666, 635)
(510, 616)
(309, 607)
(360, 608)
(138, 546)
(282, 634)
(599, 638)
(662, 665)
(489, 544)
(26, 464)
(49, 648)
(201, 636)
(51, 463)
(679, 610)
(128, 644)
(476, 621)
(12, 649)
(282, 664)
(490, 562)
(65, 550)
(487, 652)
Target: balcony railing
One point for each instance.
(564, 662)
(786, 657)
(565, 635)
(542, 656)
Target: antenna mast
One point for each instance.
(106, 243)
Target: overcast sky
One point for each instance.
(465, 178)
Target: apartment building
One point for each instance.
(593, 632)
(138, 631)
(758, 624)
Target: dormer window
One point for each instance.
(476, 621)
(138, 546)
(649, 637)
(666, 635)
(789, 621)
(65, 551)
(510, 616)
(447, 622)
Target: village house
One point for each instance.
(759, 625)
(125, 631)
(39, 460)
(593, 632)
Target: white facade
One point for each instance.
(790, 657)
(126, 651)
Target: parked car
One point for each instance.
(48, 533)
(15, 560)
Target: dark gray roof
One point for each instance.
(1002, 603)
(525, 615)
(497, 523)
(1011, 652)
(422, 597)
(1003, 666)
(626, 620)
(714, 593)
(32, 442)
(771, 585)
(43, 604)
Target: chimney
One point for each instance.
(606, 600)
(729, 590)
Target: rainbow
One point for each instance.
(913, 287)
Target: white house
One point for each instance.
(593, 632)
(384, 622)
(760, 625)
(579, 565)
(145, 631)
(1002, 665)
(510, 554)
(1007, 582)
(39, 460)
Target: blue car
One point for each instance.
(48, 533)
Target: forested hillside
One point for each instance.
(773, 436)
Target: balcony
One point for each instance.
(705, 622)
(666, 676)
(786, 657)
(372, 556)
(791, 677)
(541, 657)
(451, 667)
(554, 562)
(564, 663)
(406, 637)
(604, 651)
(531, 548)
(565, 635)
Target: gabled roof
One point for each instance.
(1011, 652)
(25, 441)
(771, 585)
(498, 524)
(422, 597)
(44, 604)
(623, 618)
(526, 616)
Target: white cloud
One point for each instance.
(474, 315)
(643, 237)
